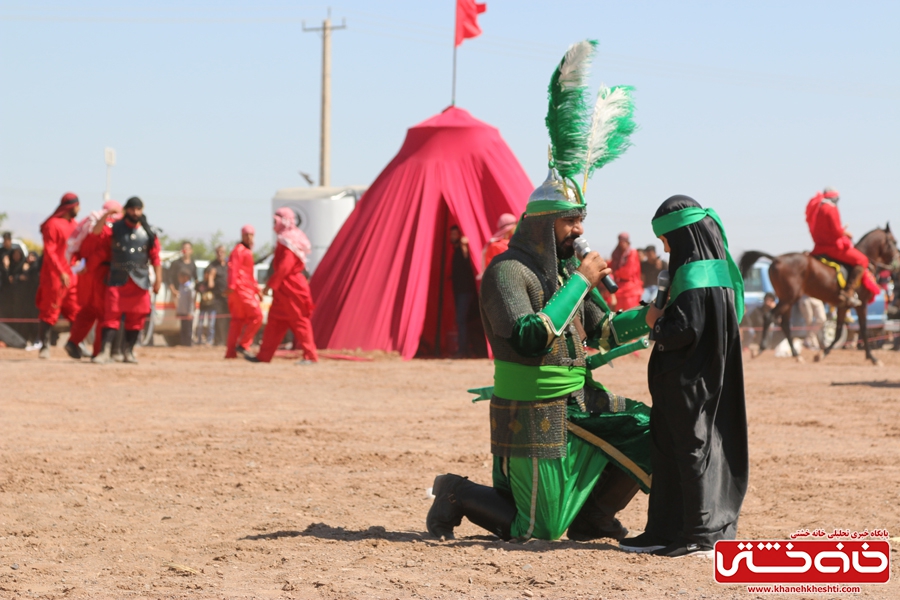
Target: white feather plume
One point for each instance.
(610, 106)
(575, 66)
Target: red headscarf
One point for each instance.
(620, 256)
(812, 207)
(505, 224)
(88, 223)
(65, 205)
(290, 235)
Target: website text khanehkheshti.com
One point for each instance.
(805, 588)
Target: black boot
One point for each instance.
(118, 345)
(73, 350)
(130, 340)
(109, 335)
(457, 497)
(44, 331)
(848, 296)
(597, 518)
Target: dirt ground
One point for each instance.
(187, 476)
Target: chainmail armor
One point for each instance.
(517, 283)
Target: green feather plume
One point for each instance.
(612, 124)
(583, 140)
(568, 111)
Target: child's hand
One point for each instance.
(653, 314)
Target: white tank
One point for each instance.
(320, 212)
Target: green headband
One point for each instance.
(688, 216)
(551, 206)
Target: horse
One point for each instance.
(798, 273)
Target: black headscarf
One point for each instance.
(697, 241)
(135, 202)
(698, 421)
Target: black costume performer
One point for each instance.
(698, 421)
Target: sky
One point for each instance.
(750, 108)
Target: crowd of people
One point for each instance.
(19, 275)
(541, 311)
(208, 300)
(99, 272)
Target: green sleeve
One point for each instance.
(617, 329)
(629, 325)
(563, 305)
(530, 336)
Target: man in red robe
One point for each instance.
(292, 303)
(626, 266)
(243, 296)
(134, 247)
(499, 242)
(832, 240)
(84, 245)
(57, 291)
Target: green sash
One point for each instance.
(700, 274)
(523, 383)
(704, 273)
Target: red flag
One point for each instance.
(467, 12)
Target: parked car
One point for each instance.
(756, 286)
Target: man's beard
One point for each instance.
(566, 248)
(132, 220)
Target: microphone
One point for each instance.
(582, 248)
(663, 283)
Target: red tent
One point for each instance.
(379, 285)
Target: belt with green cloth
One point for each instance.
(523, 383)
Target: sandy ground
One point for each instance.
(189, 476)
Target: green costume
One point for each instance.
(537, 322)
(568, 453)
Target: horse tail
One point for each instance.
(749, 259)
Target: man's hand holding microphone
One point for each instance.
(593, 267)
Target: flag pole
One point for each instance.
(453, 95)
(455, 25)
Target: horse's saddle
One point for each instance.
(842, 271)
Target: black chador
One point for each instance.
(698, 421)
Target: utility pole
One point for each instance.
(325, 143)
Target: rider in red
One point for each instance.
(832, 240)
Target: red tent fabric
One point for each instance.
(379, 285)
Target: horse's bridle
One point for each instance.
(895, 263)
